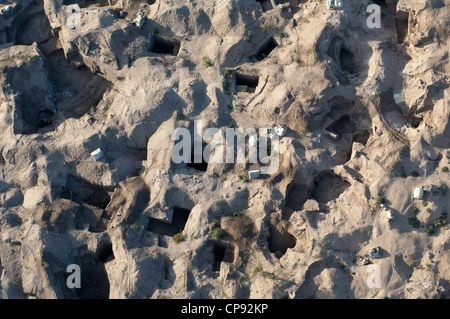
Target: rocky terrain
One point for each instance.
(368, 117)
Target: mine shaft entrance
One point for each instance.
(297, 196)
(246, 83)
(164, 46)
(179, 219)
(104, 252)
(344, 126)
(265, 49)
(266, 5)
(401, 22)
(81, 191)
(199, 166)
(362, 137)
(222, 253)
(347, 61)
(280, 240)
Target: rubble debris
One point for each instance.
(374, 252)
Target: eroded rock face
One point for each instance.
(122, 75)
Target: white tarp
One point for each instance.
(418, 193)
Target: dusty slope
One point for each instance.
(298, 233)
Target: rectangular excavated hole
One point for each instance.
(328, 186)
(34, 117)
(362, 137)
(83, 192)
(401, 22)
(222, 253)
(347, 61)
(87, 3)
(179, 219)
(246, 83)
(265, 49)
(266, 5)
(33, 109)
(280, 240)
(164, 46)
(344, 125)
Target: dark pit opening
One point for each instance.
(119, 13)
(33, 28)
(344, 126)
(266, 5)
(347, 61)
(45, 118)
(391, 111)
(280, 241)
(401, 22)
(164, 46)
(362, 137)
(246, 83)
(33, 109)
(83, 192)
(105, 252)
(289, 8)
(341, 104)
(74, 89)
(222, 253)
(266, 48)
(344, 58)
(86, 3)
(328, 186)
(297, 196)
(179, 220)
(381, 3)
(414, 121)
(94, 278)
(34, 118)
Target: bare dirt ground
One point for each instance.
(368, 121)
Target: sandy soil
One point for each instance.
(122, 75)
